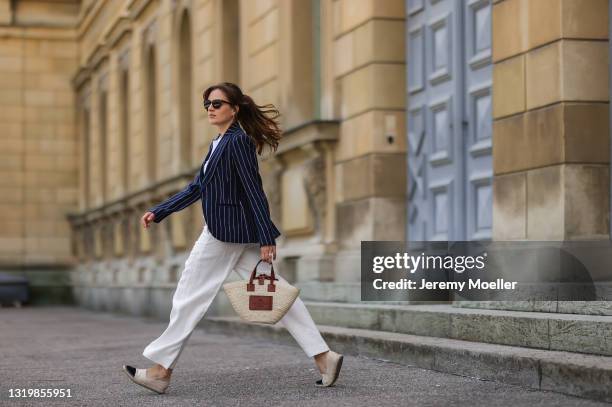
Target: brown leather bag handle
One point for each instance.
(271, 286)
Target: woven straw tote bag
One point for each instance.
(260, 302)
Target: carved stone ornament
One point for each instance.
(314, 185)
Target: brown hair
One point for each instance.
(261, 128)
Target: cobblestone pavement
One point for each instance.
(82, 350)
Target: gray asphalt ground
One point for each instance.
(83, 350)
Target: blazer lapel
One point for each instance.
(202, 165)
(215, 156)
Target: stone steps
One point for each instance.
(350, 292)
(550, 331)
(330, 291)
(342, 292)
(576, 374)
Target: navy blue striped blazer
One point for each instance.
(234, 204)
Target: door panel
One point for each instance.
(477, 110)
(449, 119)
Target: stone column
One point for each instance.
(550, 122)
(370, 164)
(296, 73)
(550, 129)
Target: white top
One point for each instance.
(214, 145)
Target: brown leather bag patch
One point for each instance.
(260, 302)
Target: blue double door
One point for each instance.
(449, 121)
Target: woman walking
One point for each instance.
(237, 233)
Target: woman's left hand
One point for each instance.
(268, 253)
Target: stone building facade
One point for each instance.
(402, 119)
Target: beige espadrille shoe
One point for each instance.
(333, 363)
(139, 376)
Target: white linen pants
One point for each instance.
(208, 265)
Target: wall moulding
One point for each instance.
(82, 76)
(98, 56)
(120, 29)
(307, 185)
(307, 133)
(146, 197)
(137, 7)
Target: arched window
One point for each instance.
(124, 126)
(102, 117)
(230, 32)
(185, 91)
(151, 138)
(85, 160)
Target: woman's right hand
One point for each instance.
(146, 219)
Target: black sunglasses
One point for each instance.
(216, 103)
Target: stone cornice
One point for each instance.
(95, 58)
(89, 17)
(137, 7)
(131, 201)
(307, 133)
(99, 54)
(118, 30)
(81, 77)
(38, 32)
